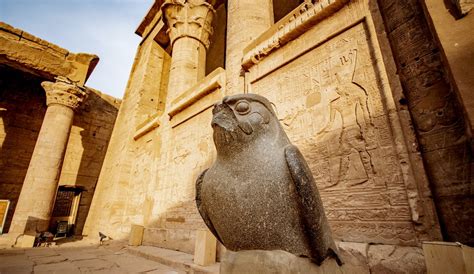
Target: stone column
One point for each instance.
(246, 20)
(189, 23)
(35, 204)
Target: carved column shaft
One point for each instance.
(188, 66)
(189, 23)
(246, 20)
(34, 207)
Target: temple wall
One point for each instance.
(340, 90)
(22, 108)
(334, 95)
(129, 166)
(87, 146)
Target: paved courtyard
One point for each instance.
(83, 259)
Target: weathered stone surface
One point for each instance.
(136, 235)
(189, 27)
(64, 92)
(336, 73)
(90, 259)
(205, 248)
(26, 52)
(387, 259)
(354, 256)
(278, 261)
(189, 19)
(15, 263)
(247, 20)
(438, 117)
(260, 193)
(447, 257)
(341, 113)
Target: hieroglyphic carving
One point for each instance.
(307, 15)
(330, 102)
(351, 103)
(190, 151)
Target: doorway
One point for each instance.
(65, 209)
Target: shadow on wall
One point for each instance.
(22, 109)
(96, 119)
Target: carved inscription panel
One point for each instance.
(330, 103)
(189, 152)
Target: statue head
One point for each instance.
(241, 119)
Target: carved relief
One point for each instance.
(350, 102)
(187, 18)
(330, 102)
(190, 151)
(64, 92)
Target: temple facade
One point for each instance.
(374, 93)
(377, 95)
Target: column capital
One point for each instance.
(64, 92)
(188, 18)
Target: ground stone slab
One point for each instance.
(69, 260)
(280, 262)
(388, 259)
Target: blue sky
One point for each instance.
(103, 27)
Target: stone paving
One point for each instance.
(81, 259)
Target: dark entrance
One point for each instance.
(65, 210)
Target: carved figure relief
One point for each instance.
(350, 102)
(330, 101)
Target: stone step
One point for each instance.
(172, 258)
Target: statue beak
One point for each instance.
(223, 117)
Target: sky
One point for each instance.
(102, 27)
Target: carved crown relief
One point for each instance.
(189, 18)
(64, 92)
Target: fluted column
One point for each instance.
(189, 23)
(33, 210)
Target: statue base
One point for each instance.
(278, 262)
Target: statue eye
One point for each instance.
(242, 107)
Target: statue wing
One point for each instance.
(200, 207)
(314, 219)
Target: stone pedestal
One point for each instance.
(136, 235)
(446, 257)
(205, 248)
(33, 210)
(189, 25)
(280, 262)
(277, 261)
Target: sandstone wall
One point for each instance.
(87, 146)
(22, 108)
(335, 96)
(122, 196)
(23, 104)
(331, 71)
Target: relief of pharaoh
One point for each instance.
(260, 194)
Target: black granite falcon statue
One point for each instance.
(260, 193)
